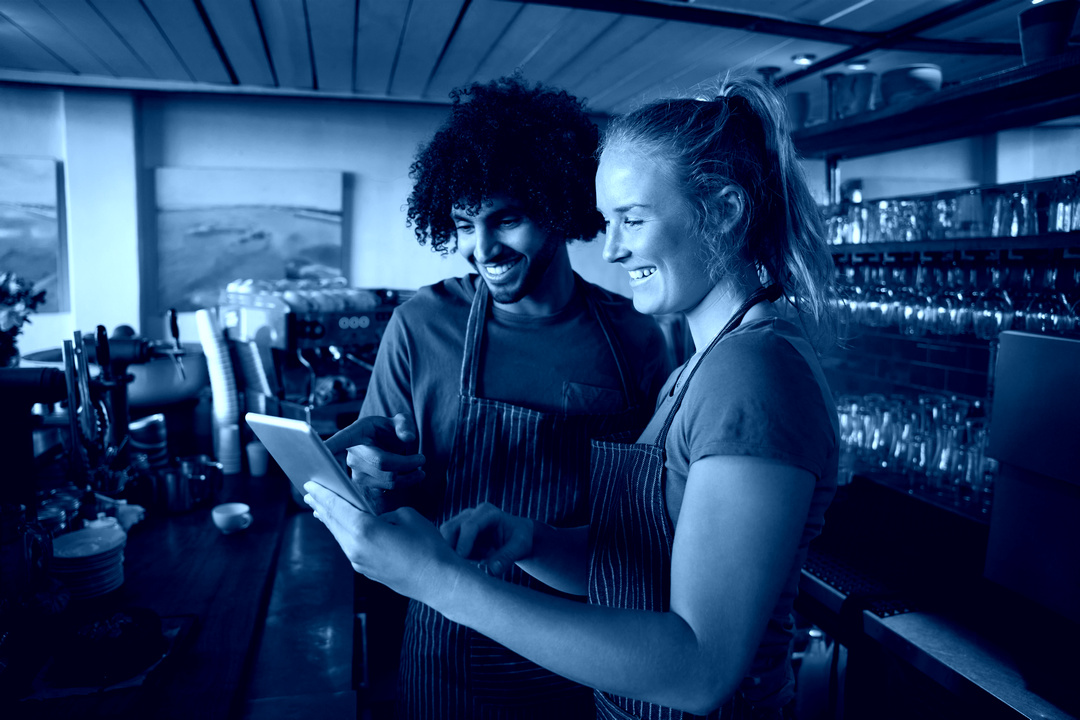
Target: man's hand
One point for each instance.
(381, 451)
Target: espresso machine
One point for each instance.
(304, 349)
(97, 405)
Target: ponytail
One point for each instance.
(742, 139)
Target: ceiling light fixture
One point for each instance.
(1035, 2)
(768, 72)
(860, 64)
(803, 59)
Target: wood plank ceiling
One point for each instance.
(613, 53)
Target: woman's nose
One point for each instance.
(613, 247)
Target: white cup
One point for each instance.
(231, 517)
(258, 458)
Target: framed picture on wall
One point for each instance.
(31, 226)
(217, 225)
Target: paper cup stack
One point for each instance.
(226, 401)
(148, 436)
(90, 562)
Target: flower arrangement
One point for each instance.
(17, 301)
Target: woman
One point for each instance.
(699, 529)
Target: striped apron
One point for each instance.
(528, 463)
(631, 536)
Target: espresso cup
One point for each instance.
(231, 517)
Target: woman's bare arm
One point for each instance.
(736, 541)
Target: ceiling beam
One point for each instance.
(785, 28)
(893, 38)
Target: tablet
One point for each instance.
(303, 456)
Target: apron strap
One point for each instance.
(631, 391)
(772, 294)
(474, 339)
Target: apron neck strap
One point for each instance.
(631, 390)
(770, 293)
(474, 340)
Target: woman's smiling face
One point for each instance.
(649, 231)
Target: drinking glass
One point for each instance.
(947, 467)
(997, 212)
(944, 216)
(918, 457)
(878, 300)
(1022, 213)
(969, 215)
(942, 306)
(992, 311)
(912, 305)
(1063, 203)
(1049, 311)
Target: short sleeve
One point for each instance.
(390, 389)
(757, 395)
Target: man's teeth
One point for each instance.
(496, 270)
(641, 273)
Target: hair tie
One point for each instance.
(736, 103)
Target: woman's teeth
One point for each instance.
(641, 273)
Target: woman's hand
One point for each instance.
(400, 549)
(485, 533)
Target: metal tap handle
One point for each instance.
(174, 327)
(103, 354)
(174, 330)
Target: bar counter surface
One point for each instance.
(214, 587)
(899, 583)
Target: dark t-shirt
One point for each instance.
(761, 393)
(554, 363)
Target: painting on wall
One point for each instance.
(31, 235)
(219, 225)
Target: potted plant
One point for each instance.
(17, 300)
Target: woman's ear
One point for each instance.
(732, 203)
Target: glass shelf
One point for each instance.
(1048, 241)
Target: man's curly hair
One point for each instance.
(532, 144)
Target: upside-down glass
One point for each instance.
(1063, 199)
(992, 311)
(1048, 311)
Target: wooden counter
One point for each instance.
(215, 586)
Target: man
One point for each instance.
(508, 372)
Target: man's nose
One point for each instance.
(487, 247)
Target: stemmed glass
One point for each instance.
(992, 311)
(1024, 297)
(1048, 311)
(848, 294)
(912, 305)
(878, 300)
(942, 306)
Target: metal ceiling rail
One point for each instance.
(894, 38)
(802, 31)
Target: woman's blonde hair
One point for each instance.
(742, 139)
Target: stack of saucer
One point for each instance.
(90, 562)
(147, 436)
